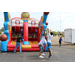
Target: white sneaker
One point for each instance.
(42, 54)
(41, 57)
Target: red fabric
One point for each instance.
(33, 29)
(17, 28)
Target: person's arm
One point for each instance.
(48, 31)
(59, 39)
(62, 39)
(16, 39)
(20, 39)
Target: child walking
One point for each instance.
(60, 40)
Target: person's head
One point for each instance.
(47, 28)
(50, 30)
(61, 37)
(22, 34)
(51, 33)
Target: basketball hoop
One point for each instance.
(17, 22)
(33, 23)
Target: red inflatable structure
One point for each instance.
(33, 35)
(31, 28)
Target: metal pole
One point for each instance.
(60, 21)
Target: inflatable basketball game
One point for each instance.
(32, 28)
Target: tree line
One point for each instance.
(1, 30)
(58, 33)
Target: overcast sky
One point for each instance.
(58, 21)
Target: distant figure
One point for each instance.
(60, 40)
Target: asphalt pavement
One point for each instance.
(59, 54)
(65, 53)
